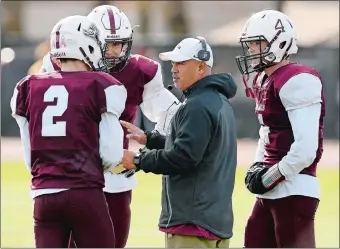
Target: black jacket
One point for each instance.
(199, 158)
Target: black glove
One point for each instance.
(253, 179)
(128, 172)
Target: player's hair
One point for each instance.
(65, 60)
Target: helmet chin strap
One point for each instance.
(245, 78)
(248, 90)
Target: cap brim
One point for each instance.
(173, 56)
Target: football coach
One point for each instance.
(197, 157)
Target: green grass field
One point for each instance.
(17, 223)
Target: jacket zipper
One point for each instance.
(168, 200)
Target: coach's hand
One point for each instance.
(134, 132)
(127, 160)
(253, 179)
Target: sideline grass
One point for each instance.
(17, 223)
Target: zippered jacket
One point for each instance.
(198, 162)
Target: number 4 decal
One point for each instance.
(279, 26)
(49, 128)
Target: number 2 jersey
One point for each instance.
(64, 112)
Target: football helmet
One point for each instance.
(76, 37)
(114, 27)
(274, 27)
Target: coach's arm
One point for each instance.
(189, 143)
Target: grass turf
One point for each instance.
(17, 223)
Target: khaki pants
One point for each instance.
(180, 241)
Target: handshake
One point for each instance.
(129, 164)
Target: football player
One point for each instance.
(290, 107)
(142, 78)
(71, 135)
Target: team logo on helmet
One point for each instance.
(93, 32)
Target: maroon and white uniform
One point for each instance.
(290, 107)
(71, 134)
(62, 113)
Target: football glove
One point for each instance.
(129, 172)
(260, 180)
(253, 179)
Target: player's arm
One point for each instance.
(157, 100)
(301, 97)
(110, 140)
(18, 113)
(188, 148)
(111, 133)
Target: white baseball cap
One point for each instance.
(187, 49)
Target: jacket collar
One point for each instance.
(197, 85)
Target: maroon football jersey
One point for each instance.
(138, 72)
(64, 110)
(271, 113)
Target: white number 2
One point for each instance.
(48, 128)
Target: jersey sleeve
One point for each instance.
(111, 137)
(18, 101)
(156, 98)
(306, 137)
(301, 96)
(19, 113)
(114, 97)
(301, 91)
